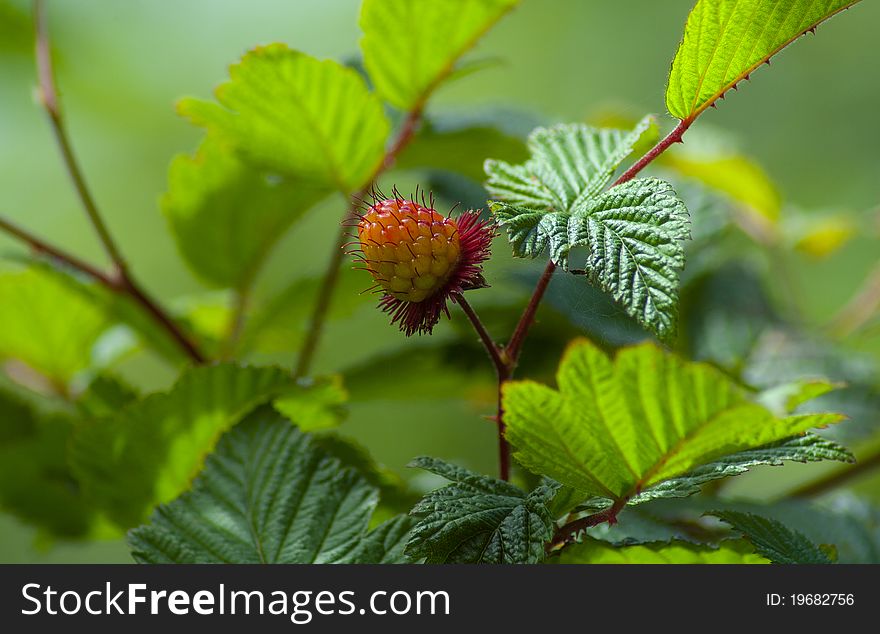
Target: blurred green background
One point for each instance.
(810, 120)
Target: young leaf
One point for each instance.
(478, 519)
(616, 428)
(725, 40)
(774, 540)
(633, 232)
(288, 112)
(226, 216)
(592, 551)
(147, 453)
(411, 46)
(570, 164)
(269, 495)
(47, 325)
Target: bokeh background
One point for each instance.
(811, 120)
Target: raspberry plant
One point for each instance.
(619, 461)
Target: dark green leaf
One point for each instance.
(269, 495)
(478, 519)
(774, 540)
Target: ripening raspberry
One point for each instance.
(420, 258)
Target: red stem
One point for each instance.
(569, 531)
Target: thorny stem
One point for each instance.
(510, 352)
(570, 530)
(331, 273)
(121, 280)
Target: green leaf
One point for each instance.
(633, 232)
(773, 539)
(596, 552)
(725, 40)
(47, 325)
(315, 403)
(570, 164)
(478, 519)
(35, 482)
(288, 112)
(616, 428)
(105, 396)
(269, 495)
(148, 453)
(806, 448)
(226, 216)
(411, 46)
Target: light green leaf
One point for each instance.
(773, 539)
(288, 112)
(725, 40)
(615, 428)
(634, 234)
(596, 552)
(478, 519)
(411, 46)
(315, 403)
(269, 495)
(226, 216)
(148, 453)
(47, 325)
(570, 164)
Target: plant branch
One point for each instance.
(40, 246)
(569, 531)
(514, 346)
(664, 144)
(489, 344)
(331, 273)
(121, 281)
(49, 98)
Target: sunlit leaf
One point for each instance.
(288, 112)
(47, 325)
(411, 46)
(147, 453)
(615, 428)
(725, 40)
(596, 552)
